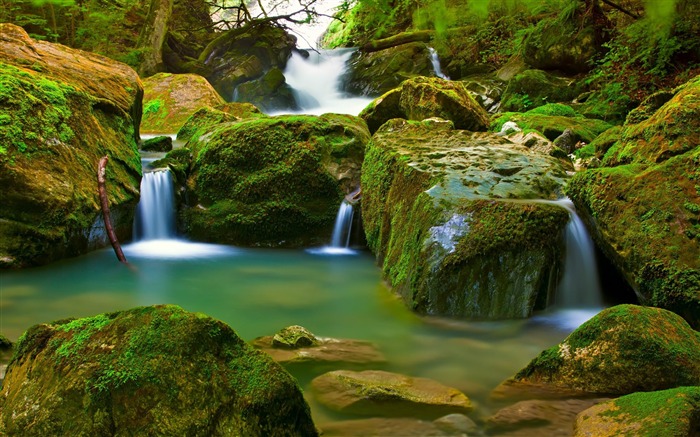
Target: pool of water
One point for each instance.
(258, 292)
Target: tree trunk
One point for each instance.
(104, 202)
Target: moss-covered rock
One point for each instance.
(170, 99)
(672, 413)
(533, 88)
(552, 120)
(623, 349)
(157, 144)
(269, 93)
(436, 214)
(273, 181)
(420, 98)
(205, 118)
(148, 370)
(5, 344)
(376, 72)
(379, 393)
(644, 205)
(245, 53)
(61, 110)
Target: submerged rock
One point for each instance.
(423, 97)
(643, 205)
(623, 349)
(672, 413)
(379, 393)
(448, 426)
(273, 181)
(170, 99)
(149, 370)
(61, 110)
(447, 214)
(296, 345)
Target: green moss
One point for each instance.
(153, 107)
(551, 126)
(554, 109)
(81, 330)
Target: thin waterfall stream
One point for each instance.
(435, 60)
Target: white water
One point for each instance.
(316, 83)
(155, 235)
(435, 60)
(342, 229)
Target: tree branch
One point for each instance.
(621, 9)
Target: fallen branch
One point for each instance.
(104, 202)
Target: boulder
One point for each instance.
(269, 93)
(296, 345)
(448, 426)
(424, 97)
(643, 205)
(533, 88)
(149, 370)
(438, 213)
(245, 53)
(274, 181)
(61, 110)
(379, 393)
(205, 118)
(376, 72)
(157, 144)
(170, 99)
(672, 413)
(623, 349)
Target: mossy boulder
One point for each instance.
(438, 213)
(293, 337)
(149, 370)
(170, 99)
(273, 181)
(245, 53)
(552, 120)
(420, 98)
(379, 393)
(205, 118)
(268, 93)
(157, 144)
(672, 413)
(623, 349)
(376, 72)
(533, 88)
(5, 344)
(643, 205)
(61, 110)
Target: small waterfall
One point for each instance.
(315, 82)
(580, 286)
(343, 226)
(436, 64)
(155, 214)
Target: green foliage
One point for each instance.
(82, 330)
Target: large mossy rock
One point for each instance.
(438, 213)
(375, 73)
(170, 99)
(623, 349)
(643, 206)
(671, 413)
(246, 53)
(379, 393)
(61, 110)
(269, 93)
(205, 118)
(273, 181)
(147, 371)
(426, 97)
(533, 88)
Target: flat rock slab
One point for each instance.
(379, 393)
(327, 350)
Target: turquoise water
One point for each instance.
(257, 292)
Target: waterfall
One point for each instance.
(580, 286)
(436, 64)
(343, 226)
(315, 82)
(155, 214)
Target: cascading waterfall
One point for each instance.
(155, 214)
(315, 82)
(343, 226)
(580, 285)
(436, 64)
